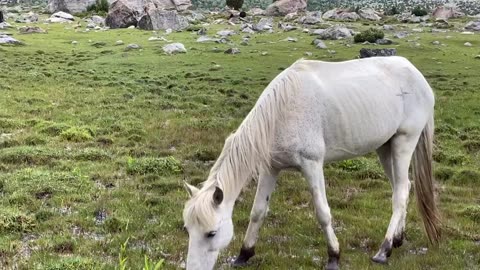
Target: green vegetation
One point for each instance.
(419, 11)
(371, 35)
(95, 144)
(100, 7)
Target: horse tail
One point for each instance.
(424, 183)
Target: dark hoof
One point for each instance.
(245, 255)
(332, 266)
(380, 258)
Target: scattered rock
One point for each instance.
(308, 53)
(319, 44)
(340, 15)
(311, 18)
(384, 41)
(287, 27)
(174, 48)
(468, 44)
(369, 14)
(203, 39)
(74, 42)
(7, 40)
(291, 39)
(119, 42)
(60, 17)
(226, 33)
(232, 51)
(446, 13)
(388, 27)
(264, 24)
(284, 7)
(31, 30)
(27, 18)
(158, 39)
(91, 25)
(401, 35)
(365, 53)
(99, 44)
(436, 42)
(132, 46)
(473, 25)
(256, 12)
(5, 25)
(477, 56)
(335, 32)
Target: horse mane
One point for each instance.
(247, 151)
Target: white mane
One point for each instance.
(246, 152)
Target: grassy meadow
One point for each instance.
(95, 143)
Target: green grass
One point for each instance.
(98, 142)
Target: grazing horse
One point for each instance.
(312, 113)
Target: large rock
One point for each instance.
(27, 18)
(284, 7)
(335, 32)
(125, 13)
(369, 14)
(122, 15)
(365, 53)
(341, 15)
(311, 18)
(4, 39)
(264, 24)
(158, 19)
(446, 13)
(60, 17)
(473, 25)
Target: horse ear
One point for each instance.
(218, 196)
(191, 190)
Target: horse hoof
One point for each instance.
(380, 258)
(332, 266)
(239, 263)
(245, 255)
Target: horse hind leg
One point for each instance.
(385, 156)
(266, 185)
(313, 172)
(402, 147)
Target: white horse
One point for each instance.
(312, 113)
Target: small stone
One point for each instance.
(468, 44)
(332, 52)
(215, 68)
(477, 56)
(308, 53)
(132, 46)
(168, 31)
(174, 48)
(119, 42)
(306, 30)
(319, 44)
(74, 42)
(383, 41)
(436, 42)
(291, 39)
(264, 53)
(232, 51)
(131, 27)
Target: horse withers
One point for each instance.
(313, 113)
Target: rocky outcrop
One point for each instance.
(365, 53)
(60, 17)
(125, 13)
(341, 15)
(334, 33)
(446, 13)
(284, 7)
(158, 19)
(473, 25)
(369, 14)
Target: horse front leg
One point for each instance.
(313, 172)
(266, 185)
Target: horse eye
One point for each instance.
(211, 234)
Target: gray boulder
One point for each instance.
(174, 48)
(27, 18)
(335, 32)
(369, 14)
(365, 53)
(60, 17)
(311, 18)
(264, 24)
(340, 15)
(70, 6)
(158, 19)
(122, 15)
(284, 7)
(473, 25)
(8, 40)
